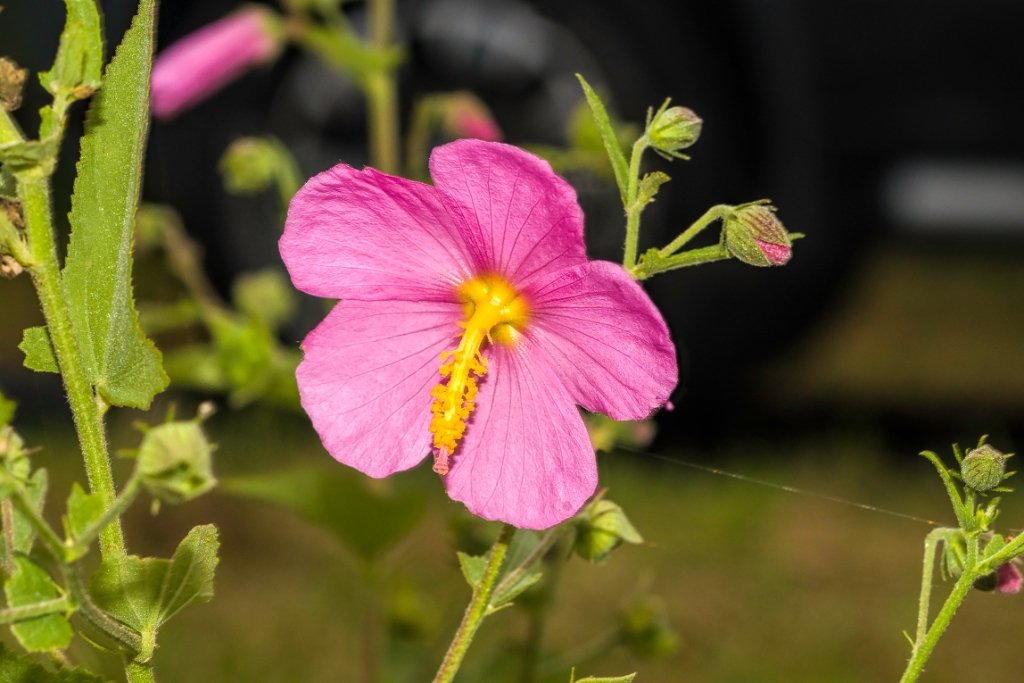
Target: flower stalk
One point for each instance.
(478, 608)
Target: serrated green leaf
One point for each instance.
(628, 678)
(29, 585)
(7, 408)
(122, 363)
(83, 510)
(608, 136)
(189, 576)
(18, 669)
(38, 350)
(129, 588)
(472, 568)
(24, 532)
(367, 521)
(80, 55)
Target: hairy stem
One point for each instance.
(923, 650)
(35, 196)
(139, 672)
(39, 609)
(931, 543)
(709, 217)
(633, 209)
(694, 257)
(477, 609)
(382, 92)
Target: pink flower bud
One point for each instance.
(777, 254)
(1008, 578)
(465, 116)
(203, 62)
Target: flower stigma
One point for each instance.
(495, 312)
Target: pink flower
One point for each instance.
(470, 323)
(203, 62)
(1008, 578)
(777, 254)
(467, 117)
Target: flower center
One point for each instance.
(495, 312)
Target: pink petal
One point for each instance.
(367, 235)
(526, 458)
(203, 62)
(1008, 578)
(777, 254)
(366, 377)
(605, 339)
(518, 218)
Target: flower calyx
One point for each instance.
(754, 234)
(671, 129)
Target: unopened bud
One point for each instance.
(646, 630)
(12, 83)
(175, 461)
(672, 129)
(464, 115)
(1008, 578)
(983, 468)
(755, 235)
(250, 165)
(601, 528)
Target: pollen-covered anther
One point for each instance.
(492, 306)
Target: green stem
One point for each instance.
(80, 545)
(382, 92)
(923, 650)
(710, 216)
(139, 672)
(477, 609)
(13, 614)
(931, 543)
(694, 257)
(633, 209)
(35, 196)
(46, 533)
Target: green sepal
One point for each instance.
(38, 350)
(368, 521)
(121, 362)
(611, 142)
(29, 585)
(18, 669)
(472, 568)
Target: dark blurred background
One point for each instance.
(886, 131)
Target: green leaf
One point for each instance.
(129, 588)
(7, 408)
(18, 669)
(38, 350)
(189, 576)
(611, 141)
(84, 509)
(367, 521)
(506, 596)
(29, 585)
(24, 532)
(649, 186)
(628, 678)
(122, 363)
(19, 156)
(473, 568)
(80, 55)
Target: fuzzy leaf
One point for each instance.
(122, 363)
(472, 568)
(17, 669)
(367, 521)
(189, 576)
(129, 588)
(83, 510)
(80, 55)
(649, 186)
(24, 532)
(611, 141)
(38, 350)
(29, 585)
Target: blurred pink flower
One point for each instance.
(470, 323)
(1008, 578)
(468, 117)
(203, 62)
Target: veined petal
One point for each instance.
(366, 377)
(366, 235)
(605, 339)
(526, 458)
(519, 219)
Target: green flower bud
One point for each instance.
(175, 461)
(646, 630)
(601, 528)
(250, 165)
(983, 468)
(673, 129)
(266, 295)
(754, 234)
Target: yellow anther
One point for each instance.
(494, 313)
